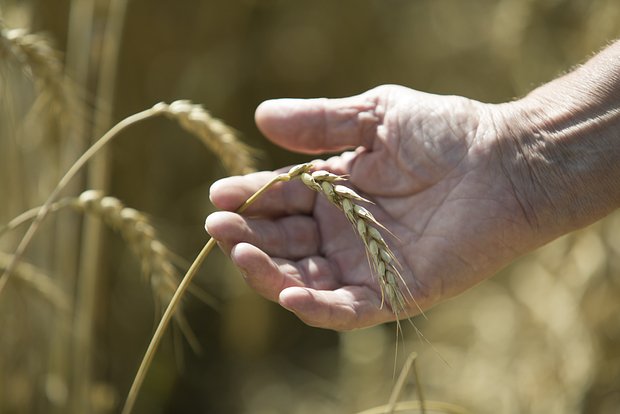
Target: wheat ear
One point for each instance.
(381, 258)
(157, 110)
(221, 139)
(35, 55)
(157, 260)
(383, 262)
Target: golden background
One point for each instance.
(541, 337)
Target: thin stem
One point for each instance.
(260, 191)
(75, 168)
(418, 386)
(176, 299)
(400, 382)
(416, 406)
(108, 70)
(409, 364)
(163, 324)
(78, 66)
(91, 260)
(28, 215)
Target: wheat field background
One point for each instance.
(541, 337)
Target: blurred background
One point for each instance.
(541, 337)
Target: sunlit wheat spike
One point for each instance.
(381, 258)
(38, 281)
(222, 140)
(34, 54)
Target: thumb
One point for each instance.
(319, 125)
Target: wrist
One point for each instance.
(560, 148)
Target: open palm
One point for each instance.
(432, 166)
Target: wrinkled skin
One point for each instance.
(432, 165)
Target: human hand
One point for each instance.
(432, 167)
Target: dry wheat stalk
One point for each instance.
(37, 280)
(418, 407)
(175, 301)
(34, 54)
(236, 157)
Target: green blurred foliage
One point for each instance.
(542, 337)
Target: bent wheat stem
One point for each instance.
(30, 214)
(322, 181)
(191, 117)
(183, 286)
(404, 373)
(163, 324)
(415, 407)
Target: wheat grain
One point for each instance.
(236, 157)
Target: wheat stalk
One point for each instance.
(98, 175)
(147, 359)
(323, 182)
(221, 139)
(410, 363)
(417, 407)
